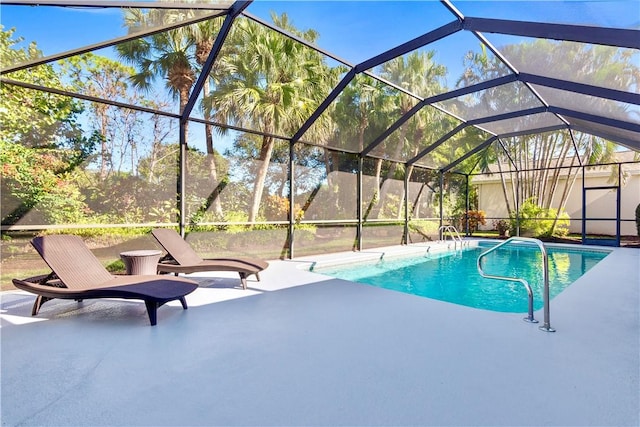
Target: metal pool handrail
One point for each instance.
(545, 276)
(451, 229)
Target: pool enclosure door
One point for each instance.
(601, 215)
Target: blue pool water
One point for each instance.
(453, 276)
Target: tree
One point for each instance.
(161, 131)
(362, 111)
(539, 156)
(105, 78)
(204, 36)
(122, 190)
(37, 181)
(30, 117)
(418, 73)
(269, 82)
(167, 55)
(41, 143)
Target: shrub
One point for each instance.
(475, 219)
(277, 208)
(116, 267)
(502, 226)
(37, 182)
(536, 221)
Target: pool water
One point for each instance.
(453, 276)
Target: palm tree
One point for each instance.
(167, 55)
(267, 81)
(203, 36)
(362, 111)
(192, 45)
(418, 73)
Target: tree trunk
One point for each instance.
(103, 147)
(394, 166)
(265, 157)
(376, 194)
(335, 157)
(416, 203)
(555, 177)
(203, 49)
(551, 183)
(565, 194)
(158, 136)
(211, 160)
(184, 98)
(504, 187)
(405, 195)
(327, 165)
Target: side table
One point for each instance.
(141, 262)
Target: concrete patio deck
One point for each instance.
(298, 349)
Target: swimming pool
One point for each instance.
(452, 276)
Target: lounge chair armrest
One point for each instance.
(53, 287)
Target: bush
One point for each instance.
(536, 221)
(638, 219)
(116, 267)
(475, 219)
(277, 208)
(502, 226)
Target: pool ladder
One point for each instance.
(545, 276)
(453, 232)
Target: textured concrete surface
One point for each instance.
(298, 348)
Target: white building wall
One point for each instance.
(600, 203)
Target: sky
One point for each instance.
(352, 30)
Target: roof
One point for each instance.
(509, 79)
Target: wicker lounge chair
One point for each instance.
(181, 258)
(78, 274)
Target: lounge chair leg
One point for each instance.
(258, 276)
(243, 279)
(152, 311)
(183, 301)
(38, 303)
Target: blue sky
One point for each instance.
(353, 30)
